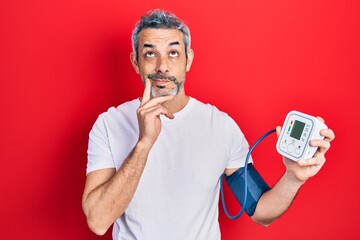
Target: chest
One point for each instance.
(190, 158)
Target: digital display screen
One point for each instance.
(297, 129)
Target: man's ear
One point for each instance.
(134, 62)
(189, 59)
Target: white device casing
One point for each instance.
(297, 147)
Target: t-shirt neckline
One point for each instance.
(180, 113)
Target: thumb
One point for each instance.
(278, 130)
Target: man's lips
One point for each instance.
(160, 82)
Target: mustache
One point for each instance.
(162, 76)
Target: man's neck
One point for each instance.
(178, 103)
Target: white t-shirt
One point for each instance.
(178, 193)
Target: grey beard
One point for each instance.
(159, 92)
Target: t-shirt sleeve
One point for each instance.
(99, 152)
(238, 145)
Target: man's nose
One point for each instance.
(162, 65)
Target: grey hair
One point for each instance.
(160, 19)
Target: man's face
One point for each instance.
(162, 59)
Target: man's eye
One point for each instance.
(174, 54)
(149, 54)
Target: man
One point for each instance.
(154, 163)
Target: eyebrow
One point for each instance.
(174, 43)
(148, 45)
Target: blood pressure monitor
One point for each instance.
(293, 143)
(296, 133)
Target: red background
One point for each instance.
(64, 62)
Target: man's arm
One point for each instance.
(273, 203)
(107, 192)
(277, 200)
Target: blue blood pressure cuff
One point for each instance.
(256, 187)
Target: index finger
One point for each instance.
(146, 95)
(321, 119)
(328, 134)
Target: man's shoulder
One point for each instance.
(209, 108)
(123, 107)
(126, 109)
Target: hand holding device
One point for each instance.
(293, 143)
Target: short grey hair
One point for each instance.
(160, 19)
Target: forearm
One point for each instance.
(104, 204)
(277, 200)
